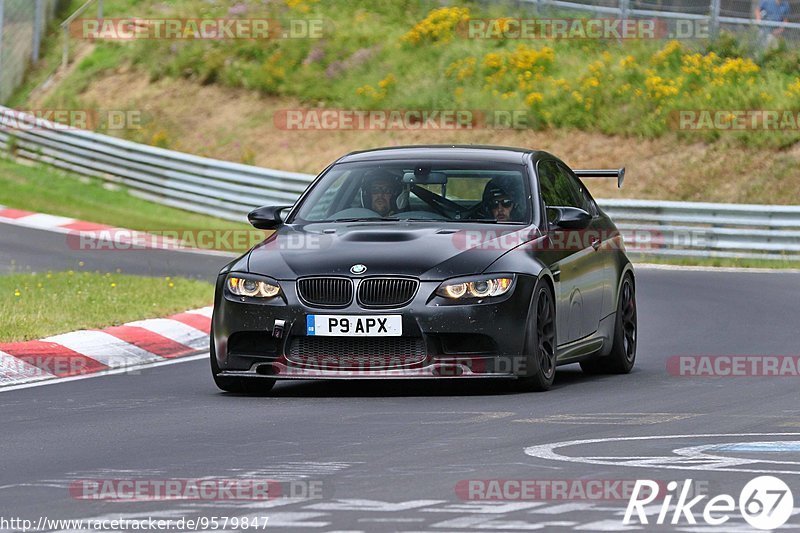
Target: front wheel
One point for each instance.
(540, 342)
(623, 351)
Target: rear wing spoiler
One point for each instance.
(605, 173)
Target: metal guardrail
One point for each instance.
(709, 11)
(209, 186)
(690, 229)
(229, 190)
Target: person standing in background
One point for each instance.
(775, 11)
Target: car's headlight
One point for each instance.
(483, 288)
(252, 288)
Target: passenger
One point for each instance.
(501, 200)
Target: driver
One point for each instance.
(501, 201)
(382, 190)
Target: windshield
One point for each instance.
(419, 190)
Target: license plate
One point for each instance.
(354, 325)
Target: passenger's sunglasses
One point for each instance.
(494, 204)
(381, 190)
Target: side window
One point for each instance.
(585, 199)
(557, 188)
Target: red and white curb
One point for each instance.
(96, 234)
(80, 353)
(18, 217)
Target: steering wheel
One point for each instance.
(473, 211)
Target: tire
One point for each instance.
(540, 341)
(623, 350)
(237, 385)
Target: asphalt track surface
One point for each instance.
(388, 455)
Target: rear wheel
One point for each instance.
(540, 341)
(623, 351)
(237, 385)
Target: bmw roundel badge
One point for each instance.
(358, 269)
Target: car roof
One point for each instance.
(500, 154)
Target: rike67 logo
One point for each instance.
(765, 502)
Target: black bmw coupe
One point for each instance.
(447, 262)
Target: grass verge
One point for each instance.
(89, 300)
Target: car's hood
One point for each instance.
(426, 251)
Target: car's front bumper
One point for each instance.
(453, 341)
(464, 367)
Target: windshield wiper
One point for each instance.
(364, 219)
(412, 219)
(399, 219)
(482, 220)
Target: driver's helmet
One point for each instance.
(508, 187)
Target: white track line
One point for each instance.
(699, 268)
(204, 311)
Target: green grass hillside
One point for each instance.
(412, 54)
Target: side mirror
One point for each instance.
(568, 218)
(267, 217)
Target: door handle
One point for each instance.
(596, 243)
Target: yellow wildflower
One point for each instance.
(658, 87)
(670, 49)
(733, 67)
(438, 26)
(533, 99)
(794, 88)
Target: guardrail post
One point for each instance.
(38, 17)
(714, 16)
(65, 51)
(2, 23)
(99, 9)
(624, 9)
